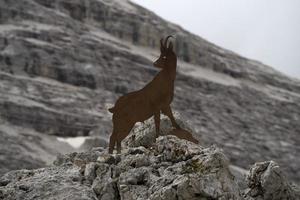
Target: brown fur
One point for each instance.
(149, 101)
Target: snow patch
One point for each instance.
(41, 43)
(75, 142)
(88, 66)
(207, 74)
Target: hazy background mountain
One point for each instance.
(263, 30)
(63, 63)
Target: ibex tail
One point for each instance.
(111, 109)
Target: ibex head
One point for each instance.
(167, 55)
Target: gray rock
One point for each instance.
(78, 159)
(240, 176)
(197, 173)
(46, 183)
(27, 149)
(144, 134)
(63, 62)
(267, 182)
(90, 172)
(186, 171)
(93, 142)
(106, 189)
(170, 169)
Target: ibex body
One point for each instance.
(154, 98)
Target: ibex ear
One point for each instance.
(170, 47)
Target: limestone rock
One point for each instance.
(266, 181)
(46, 183)
(93, 142)
(23, 148)
(62, 63)
(172, 169)
(144, 134)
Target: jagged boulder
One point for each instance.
(57, 182)
(170, 169)
(93, 142)
(145, 134)
(267, 182)
(62, 59)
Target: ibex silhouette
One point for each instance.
(154, 98)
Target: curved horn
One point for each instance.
(161, 42)
(166, 40)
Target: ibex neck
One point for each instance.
(170, 71)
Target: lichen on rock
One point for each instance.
(167, 168)
(171, 169)
(266, 181)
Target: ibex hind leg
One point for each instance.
(157, 123)
(122, 133)
(167, 111)
(112, 142)
(118, 146)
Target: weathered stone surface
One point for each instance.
(62, 62)
(63, 182)
(27, 149)
(267, 182)
(170, 169)
(185, 171)
(144, 134)
(93, 142)
(77, 158)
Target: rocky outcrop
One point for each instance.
(132, 23)
(172, 169)
(45, 183)
(93, 142)
(144, 133)
(266, 181)
(50, 107)
(62, 62)
(168, 170)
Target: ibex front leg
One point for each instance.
(112, 143)
(157, 123)
(167, 111)
(118, 146)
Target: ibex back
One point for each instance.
(154, 98)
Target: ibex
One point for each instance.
(154, 98)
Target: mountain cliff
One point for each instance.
(63, 62)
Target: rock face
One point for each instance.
(170, 169)
(93, 142)
(46, 183)
(63, 62)
(27, 149)
(266, 181)
(144, 135)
